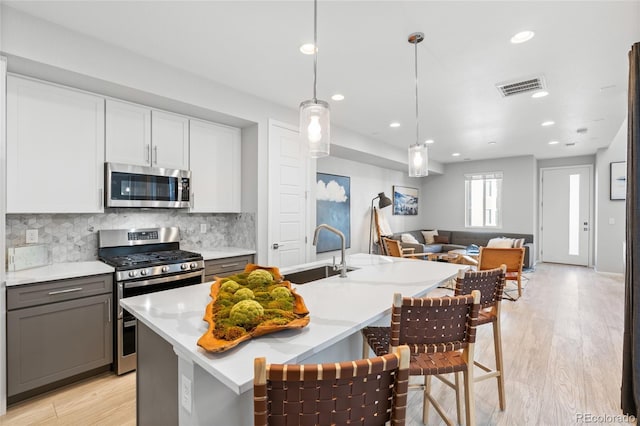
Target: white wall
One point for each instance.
(443, 195)
(610, 236)
(366, 182)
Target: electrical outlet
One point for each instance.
(203, 228)
(32, 236)
(185, 394)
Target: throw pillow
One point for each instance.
(519, 242)
(408, 238)
(500, 242)
(428, 236)
(441, 239)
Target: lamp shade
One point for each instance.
(418, 160)
(384, 201)
(314, 127)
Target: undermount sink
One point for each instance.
(313, 274)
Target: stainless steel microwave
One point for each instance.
(138, 186)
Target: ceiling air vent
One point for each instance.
(514, 87)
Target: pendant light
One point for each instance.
(314, 113)
(418, 154)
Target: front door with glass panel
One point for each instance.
(566, 223)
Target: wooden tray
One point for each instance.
(208, 342)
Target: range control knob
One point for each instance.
(143, 272)
(194, 265)
(165, 269)
(184, 266)
(132, 274)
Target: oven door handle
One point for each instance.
(162, 280)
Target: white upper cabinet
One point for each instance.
(138, 135)
(128, 133)
(55, 149)
(170, 140)
(215, 168)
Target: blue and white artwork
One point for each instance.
(405, 200)
(333, 207)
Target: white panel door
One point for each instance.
(55, 148)
(216, 168)
(566, 222)
(170, 140)
(288, 165)
(127, 133)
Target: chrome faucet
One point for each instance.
(343, 261)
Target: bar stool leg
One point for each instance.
(459, 396)
(425, 402)
(497, 343)
(469, 397)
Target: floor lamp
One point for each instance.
(384, 202)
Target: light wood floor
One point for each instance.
(562, 343)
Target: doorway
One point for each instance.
(565, 214)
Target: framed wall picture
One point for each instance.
(405, 200)
(618, 180)
(333, 207)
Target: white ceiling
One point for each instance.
(580, 48)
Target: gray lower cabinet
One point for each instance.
(57, 330)
(225, 267)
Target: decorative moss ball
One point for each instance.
(230, 286)
(244, 294)
(259, 277)
(280, 293)
(246, 312)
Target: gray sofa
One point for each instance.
(462, 239)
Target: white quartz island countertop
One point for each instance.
(338, 307)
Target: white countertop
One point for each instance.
(64, 270)
(222, 252)
(58, 271)
(338, 308)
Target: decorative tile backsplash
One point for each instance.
(74, 237)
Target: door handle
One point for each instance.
(276, 246)
(147, 155)
(155, 155)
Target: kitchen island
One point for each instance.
(179, 382)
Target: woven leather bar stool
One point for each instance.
(440, 333)
(491, 284)
(370, 391)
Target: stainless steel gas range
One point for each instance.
(146, 260)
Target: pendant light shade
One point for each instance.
(418, 160)
(418, 152)
(314, 127)
(314, 113)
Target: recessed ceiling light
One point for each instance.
(429, 141)
(308, 48)
(540, 94)
(456, 154)
(522, 36)
(337, 97)
(492, 142)
(553, 142)
(394, 124)
(547, 123)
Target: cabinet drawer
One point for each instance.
(225, 267)
(26, 295)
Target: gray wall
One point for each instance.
(610, 236)
(366, 182)
(443, 195)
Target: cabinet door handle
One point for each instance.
(66, 290)
(147, 154)
(100, 197)
(229, 265)
(108, 303)
(155, 155)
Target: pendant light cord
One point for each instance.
(415, 45)
(315, 50)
